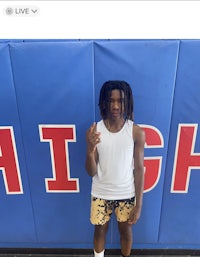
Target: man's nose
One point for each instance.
(116, 105)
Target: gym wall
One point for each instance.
(49, 97)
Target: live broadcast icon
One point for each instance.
(22, 11)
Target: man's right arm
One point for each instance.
(92, 139)
(91, 163)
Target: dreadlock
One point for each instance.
(105, 94)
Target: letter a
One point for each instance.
(9, 161)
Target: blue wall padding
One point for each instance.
(180, 212)
(48, 84)
(16, 222)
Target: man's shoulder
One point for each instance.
(138, 132)
(99, 122)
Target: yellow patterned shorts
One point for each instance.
(101, 210)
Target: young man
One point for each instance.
(114, 160)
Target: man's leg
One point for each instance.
(126, 238)
(101, 211)
(123, 209)
(100, 232)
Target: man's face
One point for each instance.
(116, 102)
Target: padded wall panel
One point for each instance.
(150, 68)
(54, 85)
(16, 216)
(181, 210)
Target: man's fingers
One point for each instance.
(93, 128)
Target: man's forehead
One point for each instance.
(117, 92)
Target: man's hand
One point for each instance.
(92, 137)
(134, 215)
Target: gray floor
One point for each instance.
(71, 255)
(89, 253)
(63, 252)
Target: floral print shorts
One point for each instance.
(101, 210)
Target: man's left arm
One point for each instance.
(139, 141)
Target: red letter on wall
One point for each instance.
(185, 158)
(58, 137)
(9, 161)
(152, 165)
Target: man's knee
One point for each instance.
(125, 231)
(101, 230)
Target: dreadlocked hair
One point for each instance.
(105, 94)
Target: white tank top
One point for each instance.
(114, 179)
